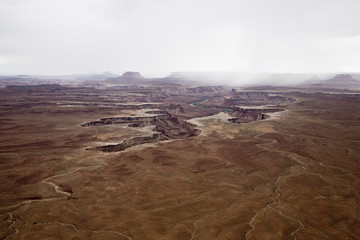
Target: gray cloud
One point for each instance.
(63, 36)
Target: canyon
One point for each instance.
(178, 161)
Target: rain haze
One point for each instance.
(157, 37)
(180, 119)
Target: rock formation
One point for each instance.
(340, 81)
(260, 98)
(243, 115)
(342, 78)
(128, 78)
(129, 143)
(229, 102)
(165, 127)
(131, 75)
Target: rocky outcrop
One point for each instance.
(229, 102)
(259, 98)
(131, 75)
(172, 129)
(244, 115)
(251, 95)
(128, 119)
(166, 127)
(173, 108)
(192, 128)
(129, 143)
(279, 100)
(128, 78)
(339, 81)
(159, 112)
(342, 79)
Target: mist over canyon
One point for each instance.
(129, 157)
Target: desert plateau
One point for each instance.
(137, 158)
(179, 120)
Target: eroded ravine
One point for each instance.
(167, 127)
(66, 195)
(303, 166)
(164, 127)
(163, 123)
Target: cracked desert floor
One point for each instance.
(150, 163)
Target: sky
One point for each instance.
(162, 36)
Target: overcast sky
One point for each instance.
(160, 36)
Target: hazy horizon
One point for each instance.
(157, 37)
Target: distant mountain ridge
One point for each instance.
(108, 79)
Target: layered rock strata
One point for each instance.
(258, 98)
(166, 127)
(244, 115)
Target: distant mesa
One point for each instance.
(175, 75)
(131, 75)
(128, 78)
(339, 81)
(342, 79)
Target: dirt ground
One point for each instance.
(293, 176)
